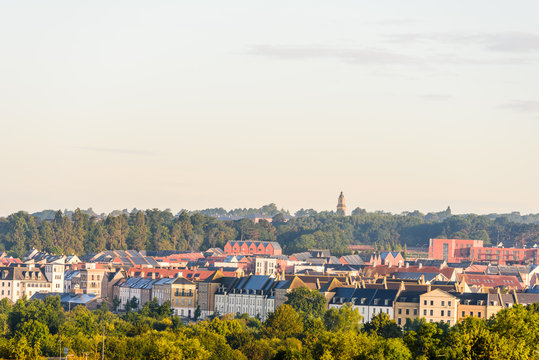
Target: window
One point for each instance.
(425, 302)
(425, 312)
(415, 311)
(471, 313)
(443, 303)
(449, 303)
(399, 321)
(432, 303)
(448, 312)
(463, 313)
(431, 312)
(407, 311)
(442, 313)
(400, 310)
(479, 314)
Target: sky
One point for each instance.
(403, 105)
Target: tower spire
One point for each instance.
(341, 205)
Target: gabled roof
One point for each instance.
(440, 292)
(274, 244)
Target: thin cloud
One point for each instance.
(436, 97)
(367, 56)
(523, 106)
(116, 151)
(511, 42)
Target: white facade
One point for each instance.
(55, 274)
(265, 266)
(252, 304)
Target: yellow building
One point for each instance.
(438, 306)
(406, 306)
(184, 297)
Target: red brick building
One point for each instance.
(253, 248)
(455, 250)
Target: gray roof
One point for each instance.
(253, 284)
(353, 260)
(360, 296)
(70, 274)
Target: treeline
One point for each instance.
(301, 329)
(81, 233)
(269, 210)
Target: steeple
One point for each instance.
(341, 206)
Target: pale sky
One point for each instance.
(403, 105)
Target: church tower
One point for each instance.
(341, 206)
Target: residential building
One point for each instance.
(253, 295)
(90, 281)
(455, 250)
(253, 248)
(22, 281)
(265, 266)
(451, 250)
(438, 306)
(406, 307)
(369, 302)
(476, 305)
(162, 290)
(184, 297)
(207, 289)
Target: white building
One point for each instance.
(253, 295)
(265, 266)
(369, 302)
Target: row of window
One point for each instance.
(432, 302)
(407, 311)
(442, 312)
(189, 302)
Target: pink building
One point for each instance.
(451, 250)
(456, 250)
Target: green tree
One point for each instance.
(308, 303)
(285, 322)
(344, 318)
(382, 325)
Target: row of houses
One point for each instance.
(433, 305)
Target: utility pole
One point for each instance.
(103, 348)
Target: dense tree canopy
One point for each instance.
(36, 329)
(79, 232)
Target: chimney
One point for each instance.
(420, 265)
(407, 265)
(428, 288)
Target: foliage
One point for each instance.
(35, 329)
(82, 231)
(308, 303)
